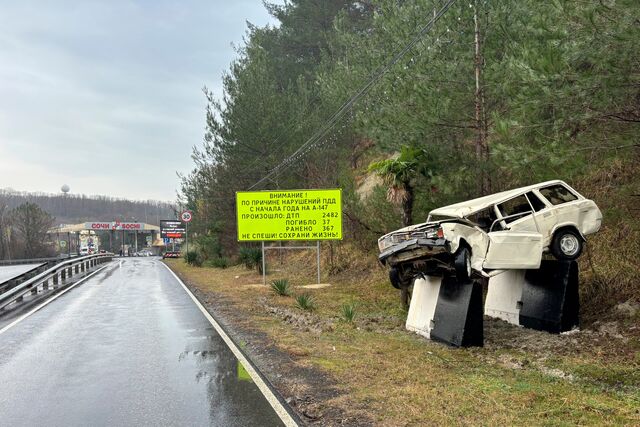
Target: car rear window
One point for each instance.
(514, 206)
(558, 194)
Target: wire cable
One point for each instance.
(346, 106)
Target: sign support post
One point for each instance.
(186, 217)
(318, 255)
(264, 267)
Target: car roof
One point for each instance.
(462, 209)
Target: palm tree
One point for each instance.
(399, 173)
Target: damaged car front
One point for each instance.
(431, 248)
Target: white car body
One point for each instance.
(507, 230)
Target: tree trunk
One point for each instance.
(482, 149)
(407, 206)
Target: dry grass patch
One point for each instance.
(398, 378)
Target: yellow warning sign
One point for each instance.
(289, 215)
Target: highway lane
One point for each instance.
(126, 347)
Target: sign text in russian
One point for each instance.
(289, 215)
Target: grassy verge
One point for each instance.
(394, 377)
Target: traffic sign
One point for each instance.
(186, 216)
(63, 243)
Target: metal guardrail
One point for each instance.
(57, 273)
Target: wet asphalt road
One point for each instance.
(126, 347)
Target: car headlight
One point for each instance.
(385, 242)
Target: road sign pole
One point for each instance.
(264, 267)
(318, 259)
(186, 236)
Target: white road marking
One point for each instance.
(24, 316)
(262, 386)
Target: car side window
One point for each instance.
(514, 206)
(558, 194)
(483, 218)
(535, 201)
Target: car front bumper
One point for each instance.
(414, 249)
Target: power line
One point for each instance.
(335, 118)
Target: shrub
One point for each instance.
(305, 302)
(348, 312)
(220, 262)
(209, 246)
(192, 258)
(281, 287)
(251, 258)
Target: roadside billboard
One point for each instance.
(289, 215)
(172, 229)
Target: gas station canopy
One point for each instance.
(105, 226)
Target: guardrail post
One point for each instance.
(82, 267)
(55, 279)
(45, 284)
(34, 291)
(63, 274)
(77, 268)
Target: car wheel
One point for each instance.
(462, 264)
(397, 279)
(566, 245)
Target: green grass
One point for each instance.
(306, 302)
(348, 312)
(281, 287)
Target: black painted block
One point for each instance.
(458, 315)
(550, 300)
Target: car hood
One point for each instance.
(424, 226)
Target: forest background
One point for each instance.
(493, 96)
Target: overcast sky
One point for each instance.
(105, 96)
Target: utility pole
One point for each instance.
(482, 149)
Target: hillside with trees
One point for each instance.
(494, 95)
(26, 217)
(76, 208)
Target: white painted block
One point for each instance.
(423, 305)
(504, 296)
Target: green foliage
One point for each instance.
(251, 258)
(209, 246)
(281, 287)
(348, 312)
(559, 83)
(221, 262)
(193, 258)
(305, 302)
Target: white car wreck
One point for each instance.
(507, 230)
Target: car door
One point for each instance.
(518, 245)
(509, 249)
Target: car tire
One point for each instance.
(566, 245)
(462, 264)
